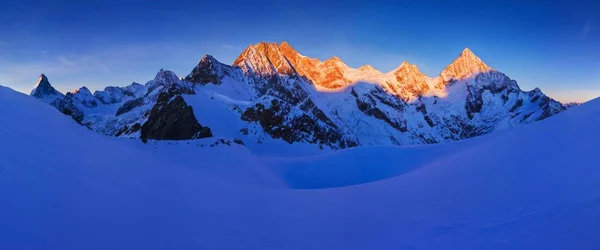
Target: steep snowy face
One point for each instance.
(466, 65)
(44, 91)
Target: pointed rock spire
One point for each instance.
(208, 70)
(44, 90)
(465, 65)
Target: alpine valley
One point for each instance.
(272, 94)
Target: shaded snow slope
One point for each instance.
(555, 143)
(65, 187)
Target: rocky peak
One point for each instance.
(334, 59)
(208, 60)
(44, 90)
(208, 70)
(166, 77)
(336, 62)
(82, 91)
(83, 97)
(409, 81)
(273, 53)
(42, 80)
(407, 68)
(254, 60)
(465, 65)
(285, 45)
(367, 68)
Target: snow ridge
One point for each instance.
(272, 92)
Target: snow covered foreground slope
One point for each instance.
(65, 187)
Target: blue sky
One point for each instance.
(554, 46)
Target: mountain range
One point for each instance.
(272, 93)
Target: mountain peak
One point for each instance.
(285, 44)
(406, 66)
(208, 70)
(265, 59)
(368, 68)
(335, 59)
(83, 90)
(42, 78)
(44, 90)
(166, 76)
(42, 82)
(465, 65)
(467, 52)
(207, 58)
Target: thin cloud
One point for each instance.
(84, 62)
(65, 61)
(231, 47)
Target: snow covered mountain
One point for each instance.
(63, 186)
(272, 92)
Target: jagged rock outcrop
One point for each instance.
(130, 105)
(292, 124)
(172, 119)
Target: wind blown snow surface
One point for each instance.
(63, 186)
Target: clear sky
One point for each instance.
(554, 46)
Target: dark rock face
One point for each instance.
(282, 120)
(173, 120)
(130, 105)
(66, 107)
(208, 70)
(368, 105)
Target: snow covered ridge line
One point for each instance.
(272, 93)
